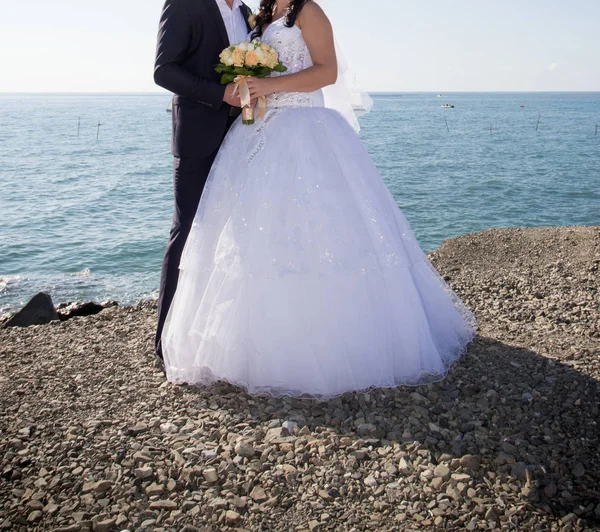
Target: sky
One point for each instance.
(392, 45)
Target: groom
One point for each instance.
(191, 35)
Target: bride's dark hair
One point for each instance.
(265, 16)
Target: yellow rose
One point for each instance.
(265, 47)
(272, 60)
(238, 57)
(252, 58)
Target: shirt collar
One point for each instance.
(236, 4)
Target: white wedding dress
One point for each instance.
(301, 275)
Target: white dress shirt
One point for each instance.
(237, 30)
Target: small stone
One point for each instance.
(404, 467)
(209, 454)
(437, 483)
(550, 490)
(105, 525)
(51, 508)
(258, 494)
(365, 429)
(290, 426)
(370, 481)
(491, 515)
(143, 472)
(239, 502)
(137, 429)
(163, 505)
(102, 486)
(315, 526)
(232, 517)
(35, 504)
(278, 435)
(219, 503)
(142, 457)
(470, 461)
(245, 449)
(442, 471)
(460, 477)
(169, 428)
(324, 495)
(578, 470)
(148, 523)
(210, 475)
(34, 516)
(154, 489)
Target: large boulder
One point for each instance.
(39, 311)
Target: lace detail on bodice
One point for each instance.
(294, 54)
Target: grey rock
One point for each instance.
(245, 449)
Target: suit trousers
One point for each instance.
(189, 178)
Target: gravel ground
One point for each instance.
(92, 438)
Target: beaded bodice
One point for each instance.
(294, 54)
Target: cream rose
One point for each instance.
(226, 57)
(260, 54)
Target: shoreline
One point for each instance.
(149, 301)
(93, 438)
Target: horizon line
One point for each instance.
(165, 93)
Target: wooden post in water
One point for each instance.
(98, 133)
(447, 124)
(78, 126)
(538, 122)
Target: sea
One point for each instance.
(86, 192)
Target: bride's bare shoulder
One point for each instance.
(311, 12)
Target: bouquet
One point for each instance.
(240, 61)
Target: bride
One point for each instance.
(300, 274)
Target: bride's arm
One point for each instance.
(318, 35)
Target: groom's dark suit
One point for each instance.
(191, 36)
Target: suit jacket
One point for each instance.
(191, 36)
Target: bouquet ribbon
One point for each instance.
(242, 87)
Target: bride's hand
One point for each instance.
(259, 87)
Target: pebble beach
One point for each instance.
(93, 438)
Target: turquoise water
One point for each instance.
(88, 219)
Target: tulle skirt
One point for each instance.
(302, 276)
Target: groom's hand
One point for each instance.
(231, 98)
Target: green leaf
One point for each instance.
(241, 71)
(226, 79)
(280, 68)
